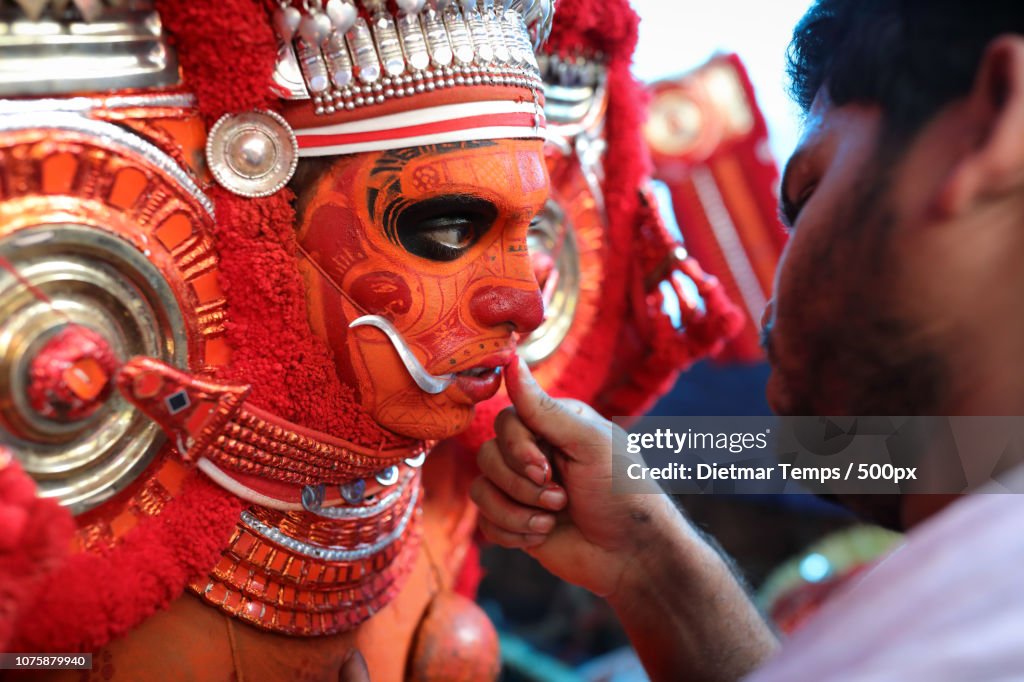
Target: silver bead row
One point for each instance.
(330, 552)
(409, 85)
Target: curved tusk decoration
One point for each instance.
(424, 379)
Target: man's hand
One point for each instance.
(547, 488)
(567, 518)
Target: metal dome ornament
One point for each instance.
(252, 154)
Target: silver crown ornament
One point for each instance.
(342, 55)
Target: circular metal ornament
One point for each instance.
(252, 154)
(69, 276)
(106, 254)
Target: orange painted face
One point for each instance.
(433, 239)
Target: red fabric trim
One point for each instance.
(524, 120)
(95, 597)
(227, 51)
(302, 113)
(34, 538)
(591, 26)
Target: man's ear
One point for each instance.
(995, 162)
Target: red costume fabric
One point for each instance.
(34, 537)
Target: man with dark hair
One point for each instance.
(899, 294)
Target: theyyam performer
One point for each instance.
(256, 260)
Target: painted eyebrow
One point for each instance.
(452, 202)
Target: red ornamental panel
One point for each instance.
(709, 144)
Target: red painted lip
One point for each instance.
(479, 389)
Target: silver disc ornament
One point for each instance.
(252, 154)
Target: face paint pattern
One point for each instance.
(426, 381)
(458, 302)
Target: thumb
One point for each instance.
(550, 419)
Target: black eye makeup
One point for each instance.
(443, 228)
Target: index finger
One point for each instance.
(545, 416)
(519, 447)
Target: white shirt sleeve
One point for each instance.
(947, 605)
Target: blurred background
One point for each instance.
(677, 37)
(722, 125)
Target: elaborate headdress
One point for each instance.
(367, 77)
(348, 72)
